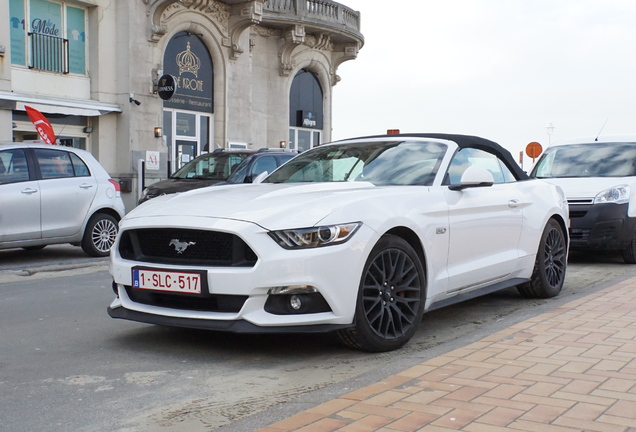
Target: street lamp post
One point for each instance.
(550, 128)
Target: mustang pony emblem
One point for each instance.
(180, 246)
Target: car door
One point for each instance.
(68, 190)
(484, 224)
(19, 198)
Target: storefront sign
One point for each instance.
(152, 160)
(166, 87)
(306, 119)
(188, 61)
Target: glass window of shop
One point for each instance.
(189, 114)
(48, 35)
(69, 130)
(305, 112)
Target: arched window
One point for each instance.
(305, 111)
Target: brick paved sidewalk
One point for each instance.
(572, 369)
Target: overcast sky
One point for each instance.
(501, 69)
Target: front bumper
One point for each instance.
(600, 226)
(334, 271)
(236, 326)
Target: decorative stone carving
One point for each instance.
(266, 31)
(321, 42)
(294, 37)
(161, 11)
(250, 13)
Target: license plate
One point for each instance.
(160, 280)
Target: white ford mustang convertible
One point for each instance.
(359, 237)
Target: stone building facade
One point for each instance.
(244, 74)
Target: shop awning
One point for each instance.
(56, 105)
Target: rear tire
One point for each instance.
(390, 300)
(629, 253)
(100, 235)
(550, 265)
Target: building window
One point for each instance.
(48, 35)
(305, 111)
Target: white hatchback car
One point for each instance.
(51, 194)
(598, 177)
(360, 237)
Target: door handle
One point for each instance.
(86, 186)
(513, 203)
(29, 191)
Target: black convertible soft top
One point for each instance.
(465, 141)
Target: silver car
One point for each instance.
(51, 194)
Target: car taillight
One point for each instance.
(115, 184)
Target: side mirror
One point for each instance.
(474, 177)
(259, 178)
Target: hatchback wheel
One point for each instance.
(100, 235)
(390, 298)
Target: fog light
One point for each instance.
(295, 302)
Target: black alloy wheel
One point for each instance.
(390, 299)
(550, 265)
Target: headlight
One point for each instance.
(303, 238)
(617, 195)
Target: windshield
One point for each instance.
(381, 163)
(587, 160)
(211, 167)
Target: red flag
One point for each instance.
(42, 125)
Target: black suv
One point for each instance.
(220, 166)
(261, 161)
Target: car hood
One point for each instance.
(174, 185)
(588, 187)
(272, 206)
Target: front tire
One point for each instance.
(550, 265)
(629, 253)
(99, 235)
(390, 300)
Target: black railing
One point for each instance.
(48, 53)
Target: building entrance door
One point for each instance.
(302, 139)
(185, 152)
(188, 134)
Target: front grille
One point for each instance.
(186, 247)
(579, 234)
(578, 213)
(195, 302)
(579, 201)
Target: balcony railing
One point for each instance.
(323, 10)
(48, 53)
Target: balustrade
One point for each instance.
(48, 53)
(325, 10)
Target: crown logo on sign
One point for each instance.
(188, 62)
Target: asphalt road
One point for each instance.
(65, 365)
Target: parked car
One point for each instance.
(51, 194)
(217, 167)
(264, 160)
(359, 237)
(598, 177)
